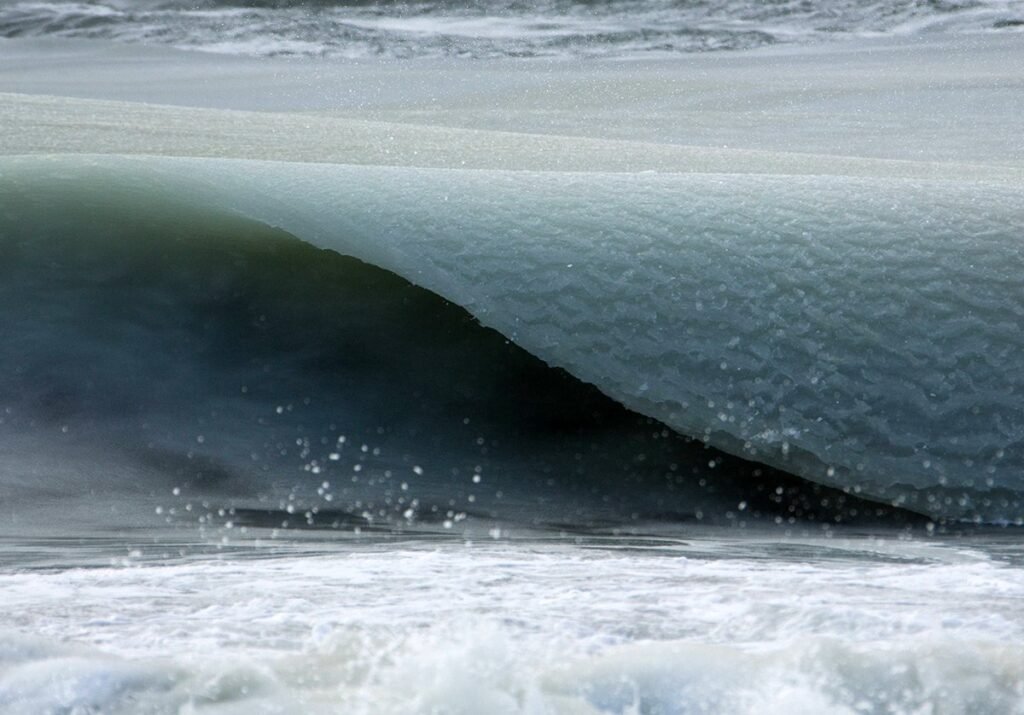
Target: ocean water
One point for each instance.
(505, 28)
(608, 357)
(726, 622)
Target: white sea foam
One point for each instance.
(540, 28)
(707, 626)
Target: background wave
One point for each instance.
(539, 28)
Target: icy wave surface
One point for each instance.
(863, 333)
(809, 257)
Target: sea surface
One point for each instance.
(628, 356)
(504, 28)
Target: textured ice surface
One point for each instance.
(952, 100)
(860, 332)
(855, 318)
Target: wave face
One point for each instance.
(540, 28)
(185, 363)
(837, 297)
(859, 333)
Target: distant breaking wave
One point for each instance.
(542, 28)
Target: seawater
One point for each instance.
(703, 621)
(468, 29)
(384, 377)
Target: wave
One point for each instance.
(834, 294)
(540, 28)
(169, 349)
(829, 674)
(860, 333)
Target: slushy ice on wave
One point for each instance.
(159, 343)
(860, 333)
(854, 321)
(419, 359)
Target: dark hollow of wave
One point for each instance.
(222, 369)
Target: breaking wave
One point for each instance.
(860, 333)
(539, 28)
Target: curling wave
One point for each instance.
(862, 334)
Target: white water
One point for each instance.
(712, 625)
(502, 28)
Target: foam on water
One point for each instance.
(540, 28)
(712, 625)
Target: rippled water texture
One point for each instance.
(539, 28)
